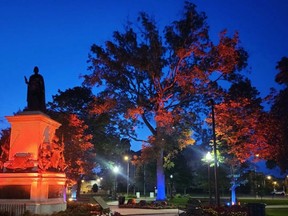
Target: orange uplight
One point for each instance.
(28, 132)
(25, 178)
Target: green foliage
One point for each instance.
(95, 188)
(182, 178)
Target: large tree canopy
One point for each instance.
(162, 80)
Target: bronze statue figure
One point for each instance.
(36, 92)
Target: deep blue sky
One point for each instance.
(56, 35)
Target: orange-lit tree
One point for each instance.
(239, 118)
(162, 80)
(240, 130)
(78, 151)
(91, 110)
(79, 102)
(68, 109)
(4, 146)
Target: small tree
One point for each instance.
(95, 188)
(79, 153)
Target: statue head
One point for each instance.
(36, 70)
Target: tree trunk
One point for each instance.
(79, 182)
(161, 195)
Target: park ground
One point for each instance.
(275, 206)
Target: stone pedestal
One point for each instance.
(42, 193)
(23, 180)
(29, 130)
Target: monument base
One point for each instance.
(40, 193)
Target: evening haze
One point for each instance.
(56, 36)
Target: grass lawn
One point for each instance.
(276, 212)
(268, 201)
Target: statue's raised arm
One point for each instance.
(35, 92)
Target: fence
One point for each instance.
(12, 209)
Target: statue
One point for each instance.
(51, 156)
(36, 92)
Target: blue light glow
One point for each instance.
(161, 195)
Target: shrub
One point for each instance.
(235, 210)
(95, 188)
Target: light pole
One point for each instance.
(171, 186)
(115, 170)
(209, 159)
(126, 158)
(217, 198)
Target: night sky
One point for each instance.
(56, 36)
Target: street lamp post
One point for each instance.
(217, 198)
(208, 159)
(126, 158)
(115, 170)
(171, 186)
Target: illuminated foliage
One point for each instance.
(5, 145)
(238, 129)
(69, 108)
(85, 122)
(239, 123)
(78, 150)
(162, 81)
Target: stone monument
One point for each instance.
(33, 175)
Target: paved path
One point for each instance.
(276, 206)
(162, 212)
(138, 212)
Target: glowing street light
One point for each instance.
(98, 180)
